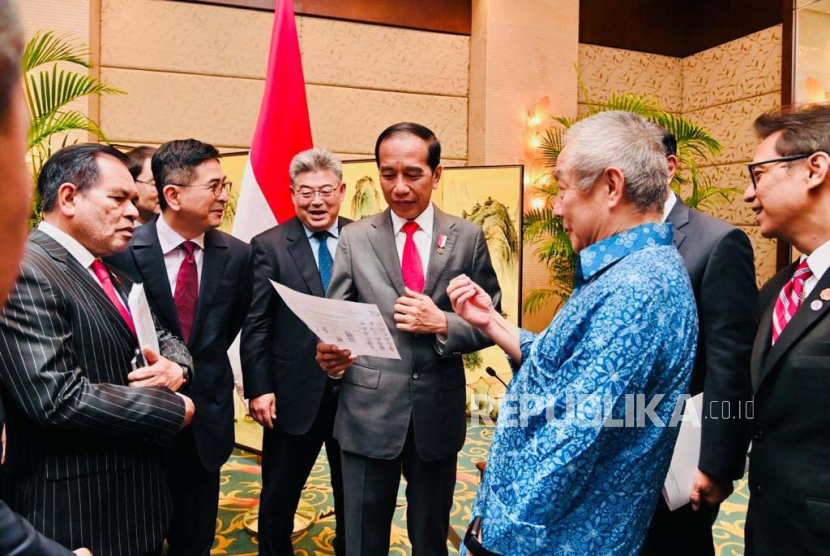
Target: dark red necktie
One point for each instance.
(411, 265)
(187, 289)
(103, 276)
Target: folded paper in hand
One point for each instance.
(145, 326)
(358, 327)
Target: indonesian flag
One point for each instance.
(282, 131)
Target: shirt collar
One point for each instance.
(602, 254)
(819, 260)
(334, 229)
(669, 205)
(424, 220)
(170, 239)
(81, 253)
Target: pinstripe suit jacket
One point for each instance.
(81, 451)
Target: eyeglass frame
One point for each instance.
(148, 183)
(226, 185)
(791, 158)
(315, 192)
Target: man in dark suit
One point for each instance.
(405, 415)
(719, 259)
(81, 427)
(17, 536)
(789, 478)
(289, 396)
(197, 281)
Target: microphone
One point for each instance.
(492, 372)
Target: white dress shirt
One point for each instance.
(422, 237)
(170, 241)
(78, 251)
(669, 205)
(818, 261)
(331, 241)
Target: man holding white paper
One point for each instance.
(405, 415)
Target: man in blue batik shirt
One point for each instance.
(584, 440)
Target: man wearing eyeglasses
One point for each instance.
(197, 282)
(789, 477)
(289, 395)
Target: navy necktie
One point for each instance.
(324, 260)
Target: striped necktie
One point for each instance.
(789, 300)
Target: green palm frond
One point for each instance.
(643, 105)
(539, 298)
(692, 138)
(51, 91)
(53, 124)
(564, 121)
(46, 47)
(551, 145)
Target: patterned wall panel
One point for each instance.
(746, 67)
(607, 70)
(223, 111)
(731, 175)
(731, 124)
(178, 37)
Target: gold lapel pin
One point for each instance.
(825, 294)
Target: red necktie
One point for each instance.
(187, 290)
(789, 300)
(411, 266)
(103, 276)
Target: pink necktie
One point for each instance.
(411, 266)
(789, 300)
(103, 276)
(187, 290)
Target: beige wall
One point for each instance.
(195, 70)
(724, 89)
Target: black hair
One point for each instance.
(422, 132)
(175, 162)
(75, 164)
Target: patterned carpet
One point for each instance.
(241, 486)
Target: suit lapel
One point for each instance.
(678, 217)
(215, 257)
(804, 318)
(301, 251)
(79, 275)
(382, 238)
(150, 262)
(438, 261)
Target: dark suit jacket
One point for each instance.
(224, 297)
(718, 257)
(789, 473)
(379, 397)
(19, 538)
(277, 349)
(79, 456)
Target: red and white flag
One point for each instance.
(282, 131)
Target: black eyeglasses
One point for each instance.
(217, 188)
(755, 177)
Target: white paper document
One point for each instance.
(358, 327)
(678, 486)
(145, 328)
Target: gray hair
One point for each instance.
(314, 160)
(11, 50)
(628, 142)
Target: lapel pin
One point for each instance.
(825, 294)
(816, 305)
(442, 242)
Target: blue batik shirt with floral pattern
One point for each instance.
(557, 481)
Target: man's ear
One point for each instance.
(171, 196)
(614, 186)
(818, 167)
(67, 199)
(438, 171)
(672, 161)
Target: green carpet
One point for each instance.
(241, 486)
